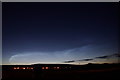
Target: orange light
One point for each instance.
(31, 68)
(54, 67)
(58, 67)
(23, 67)
(47, 67)
(43, 68)
(15, 68)
(27, 67)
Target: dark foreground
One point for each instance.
(86, 72)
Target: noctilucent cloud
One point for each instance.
(58, 32)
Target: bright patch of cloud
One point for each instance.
(87, 51)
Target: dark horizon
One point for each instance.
(61, 71)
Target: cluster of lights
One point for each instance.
(49, 67)
(56, 67)
(23, 68)
(44, 68)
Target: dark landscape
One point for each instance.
(61, 72)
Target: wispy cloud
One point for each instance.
(33, 57)
(66, 56)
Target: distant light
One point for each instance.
(47, 67)
(23, 68)
(27, 67)
(43, 68)
(31, 67)
(58, 67)
(54, 67)
(15, 68)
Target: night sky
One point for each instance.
(57, 32)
